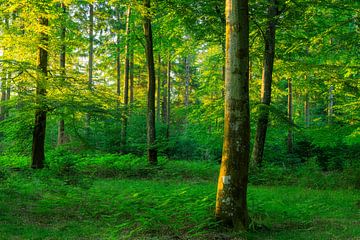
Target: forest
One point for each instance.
(179, 119)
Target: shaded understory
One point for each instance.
(172, 201)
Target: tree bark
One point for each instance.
(164, 99)
(290, 117)
(307, 109)
(118, 63)
(38, 144)
(331, 105)
(151, 131)
(126, 80)
(158, 99)
(231, 204)
(269, 55)
(168, 88)
(132, 77)
(61, 125)
(91, 60)
(187, 81)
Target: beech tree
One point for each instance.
(269, 54)
(231, 204)
(151, 137)
(38, 144)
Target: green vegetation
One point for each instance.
(122, 197)
(179, 119)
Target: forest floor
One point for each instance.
(174, 200)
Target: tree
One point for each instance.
(231, 205)
(151, 137)
(61, 128)
(38, 144)
(269, 54)
(126, 79)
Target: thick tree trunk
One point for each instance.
(168, 88)
(38, 144)
(290, 116)
(61, 124)
(118, 63)
(126, 81)
(231, 204)
(269, 55)
(151, 131)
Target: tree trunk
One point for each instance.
(331, 105)
(187, 81)
(118, 63)
(3, 96)
(168, 88)
(126, 81)
(132, 77)
(290, 116)
(307, 109)
(231, 204)
(91, 60)
(61, 124)
(158, 99)
(151, 137)
(164, 99)
(269, 55)
(38, 144)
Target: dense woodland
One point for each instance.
(179, 119)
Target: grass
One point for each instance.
(112, 197)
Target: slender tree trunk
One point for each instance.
(118, 62)
(3, 96)
(38, 144)
(61, 124)
(164, 99)
(269, 55)
(187, 81)
(307, 109)
(290, 116)
(231, 204)
(91, 60)
(151, 131)
(158, 99)
(331, 105)
(132, 77)
(168, 88)
(126, 80)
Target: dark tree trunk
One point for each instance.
(290, 116)
(269, 55)
(38, 144)
(126, 81)
(231, 204)
(151, 131)
(61, 124)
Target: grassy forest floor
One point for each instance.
(111, 197)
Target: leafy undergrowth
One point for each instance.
(100, 197)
